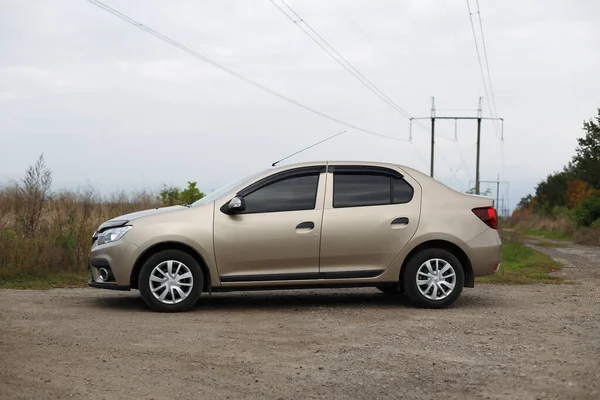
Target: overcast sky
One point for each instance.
(113, 107)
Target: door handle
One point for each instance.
(400, 221)
(306, 225)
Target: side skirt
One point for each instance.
(319, 280)
(309, 285)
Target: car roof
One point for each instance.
(339, 162)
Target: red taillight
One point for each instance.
(487, 215)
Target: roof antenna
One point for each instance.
(306, 148)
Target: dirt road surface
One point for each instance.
(496, 342)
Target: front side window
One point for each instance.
(289, 194)
(209, 198)
(358, 189)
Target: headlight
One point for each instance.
(112, 235)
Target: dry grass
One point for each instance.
(561, 228)
(587, 236)
(56, 249)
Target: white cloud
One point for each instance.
(79, 84)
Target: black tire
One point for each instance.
(391, 290)
(409, 278)
(155, 260)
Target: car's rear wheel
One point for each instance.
(433, 278)
(171, 281)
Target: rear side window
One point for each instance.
(290, 194)
(402, 192)
(359, 189)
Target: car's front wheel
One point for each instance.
(171, 281)
(433, 278)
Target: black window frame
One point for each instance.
(278, 177)
(370, 170)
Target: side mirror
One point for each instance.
(236, 205)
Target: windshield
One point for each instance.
(209, 198)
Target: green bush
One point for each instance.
(191, 194)
(588, 211)
(8, 235)
(558, 212)
(171, 196)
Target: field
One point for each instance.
(497, 342)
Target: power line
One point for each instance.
(485, 86)
(462, 185)
(460, 154)
(453, 172)
(462, 158)
(491, 94)
(333, 53)
(502, 160)
(420, 154)
(487, 64)
(230, 71)
(339, 58)
(445, 137)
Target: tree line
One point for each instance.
(573, 192)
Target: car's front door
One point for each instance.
(277, 236)
(370, 214)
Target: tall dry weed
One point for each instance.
(561, 224)
(60, 235)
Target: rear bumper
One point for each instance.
(485, 253)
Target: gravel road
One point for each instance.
(496, 342)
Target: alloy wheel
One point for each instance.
(436, 279)
(171, 282)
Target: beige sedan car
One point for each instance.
(310, 225)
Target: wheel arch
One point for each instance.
(169, 245)
(450, 247)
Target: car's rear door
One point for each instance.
(370, 214)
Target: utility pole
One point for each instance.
(479, 118)
(478, 147)
(432, 133)
(498, 191)
(497, 182)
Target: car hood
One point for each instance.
(123, 219)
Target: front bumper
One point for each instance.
(111, 286)
(119, 258)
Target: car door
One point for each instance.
(277, 236)
(370, 215)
